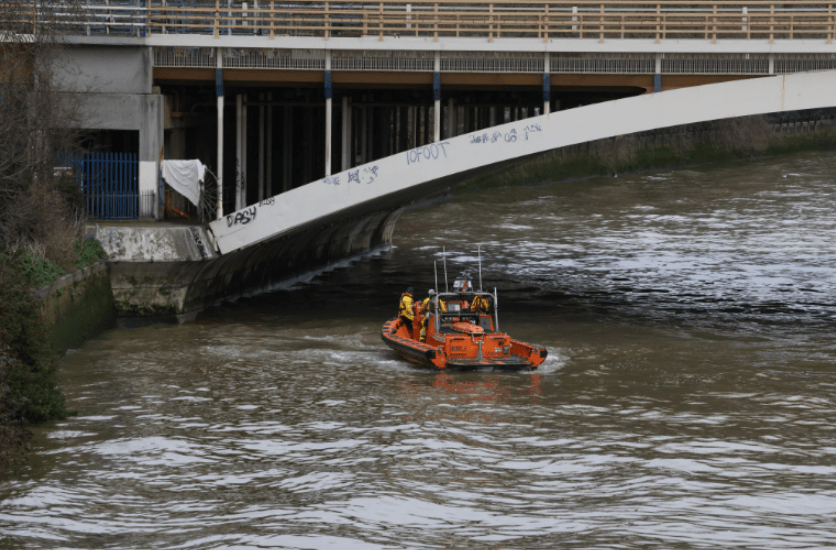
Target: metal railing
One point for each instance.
(492, 62)
(109, 183)
(499, 62)
(405, 61)
(602, 64)
(798, 63)
(713, 64)
(617, 19)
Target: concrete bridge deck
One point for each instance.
(340, 69)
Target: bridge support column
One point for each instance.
(410, 127)
(437, 120)
(418, 120)
(372, 136)
(287, 142)
(239, 144)
(420, 125)
(309, 137)
(451, 117)
(657, 78)
(261, 149)
(244, 149)
(219, 91)
(151, 142)
(405, 136)
(270, 145)
(425, 126)
(364, 135)
(547, 84)
(414, 133)
(385, 132)
(437, 98)
(346, 135)
(328, 98)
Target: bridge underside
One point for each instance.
(375, 115)
(294, 213)
(323, 125)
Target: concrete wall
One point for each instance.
(113, 90)
(114, 70)
(78, 306)
(142, 112)
(152, 266)
(173, 272)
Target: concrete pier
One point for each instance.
(173, 271)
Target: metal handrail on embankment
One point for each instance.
(665, 19)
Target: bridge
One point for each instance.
(412, 96)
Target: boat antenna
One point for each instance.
(479, 251)
(435, 267)
(444, 255)
(495, 310)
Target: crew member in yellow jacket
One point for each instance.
(405, 313)
(425, 310)
(480, 304)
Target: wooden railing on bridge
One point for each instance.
(617, 19)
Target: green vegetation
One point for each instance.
(28, 386)
(29, 391)
(40, 272)
(41, 216)
(89, 252)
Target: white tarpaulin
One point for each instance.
(185, 176)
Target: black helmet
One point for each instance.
(409, 290)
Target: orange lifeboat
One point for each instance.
(458, 335)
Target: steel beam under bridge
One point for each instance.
(393, 182)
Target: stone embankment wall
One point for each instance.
(78, 306)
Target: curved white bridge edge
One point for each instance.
(282, 213)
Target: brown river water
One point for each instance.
(687, 402)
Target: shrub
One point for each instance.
(89, 252)
(39, 272)
(29, 388)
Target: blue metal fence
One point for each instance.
(110, 184)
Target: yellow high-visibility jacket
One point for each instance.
(425, 305)
(480, 303)
(405, 307)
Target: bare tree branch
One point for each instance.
(37, 210)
